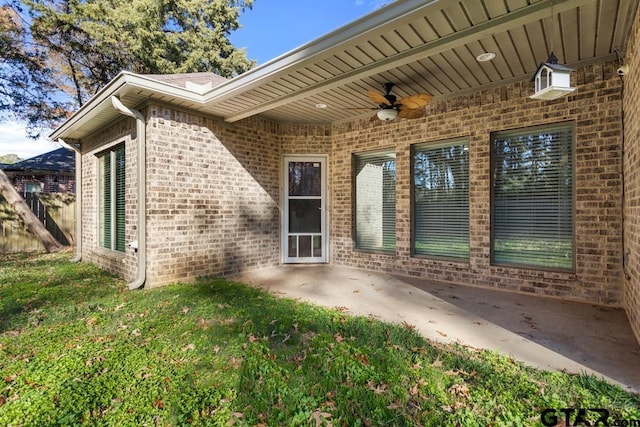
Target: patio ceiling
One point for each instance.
(420, 45)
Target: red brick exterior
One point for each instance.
(48, 183)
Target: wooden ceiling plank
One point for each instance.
(360, 56)
(488, 68)
(329, 67)
(410, 36)
(419, 83)
(424, 29)
(474, 67)
(369, 50)
(319, 72)
(538, 38)
(604, 29)
(510, 54)
(475, 11)
(440, 24)
(516, 4)
(456, 17)
(495, 8)
(305, 77)
(624, 22)
(588, 24)
(500, 62)
(445, 73)
(397, 43)
(348, 59)
(384, 46)
(461, 68)
(522, 44)
(568, 37)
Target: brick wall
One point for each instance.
(212, 196)
(48, 183)
(595, 108)
(632, 177)
(122, 264)
(213, 192)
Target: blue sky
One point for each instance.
(270, 29)
(274, 27)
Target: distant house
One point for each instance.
(52, 172)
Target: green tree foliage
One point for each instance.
(9, 159)
(80, 45)
(27, 86)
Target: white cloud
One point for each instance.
(14, 140)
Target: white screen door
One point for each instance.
(305, 221)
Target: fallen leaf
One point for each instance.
(235, 416)
(338, 337)
(158, 404)
(408, 326)
(414, 390)
(185, 310)
(460, 390)
(441, 333)
(319, 417)
(91, 321)
(189, 347)
(216, 349)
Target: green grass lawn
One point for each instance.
(76, 348)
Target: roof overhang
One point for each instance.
(420, 45)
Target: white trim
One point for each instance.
(323, 159)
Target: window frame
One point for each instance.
(117, 196)
(549, 127)
(415, 149)
(354, 205)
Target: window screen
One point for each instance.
(441, 199)
(532, 200)
(375, 201)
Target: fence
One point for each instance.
(56, 211)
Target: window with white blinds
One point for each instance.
(441, 199)
(532, 197)
(375, 201)
(112, 198)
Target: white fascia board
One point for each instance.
(123, 81)
(255, 77)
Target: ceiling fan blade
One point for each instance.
(411, 113)
(378, 98)
(415, 101)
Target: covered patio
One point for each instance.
(546, 333)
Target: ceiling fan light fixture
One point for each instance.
(387, 114)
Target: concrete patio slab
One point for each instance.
(542, 332)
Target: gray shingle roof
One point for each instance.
(61, 160)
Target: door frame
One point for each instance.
(323, 159)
